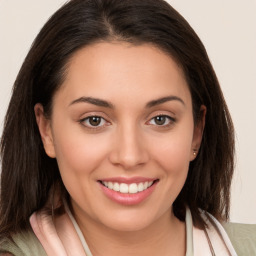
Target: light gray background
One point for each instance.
(227, 29)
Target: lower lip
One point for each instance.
(128, 199)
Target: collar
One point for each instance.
(63, 237)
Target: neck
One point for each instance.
(166, 236)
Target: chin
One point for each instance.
(128, 225)
(129, 221)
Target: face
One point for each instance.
(123, 134)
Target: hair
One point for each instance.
(28, 173)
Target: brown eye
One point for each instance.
(161, 120)
(93, 121)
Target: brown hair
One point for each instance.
(28, 173)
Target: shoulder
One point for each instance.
(22, 244)
(243, 237)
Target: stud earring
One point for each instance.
(194, 152)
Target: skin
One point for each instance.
(128, 142)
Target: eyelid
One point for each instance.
(169, 116)
(92, 114)
(91, 127)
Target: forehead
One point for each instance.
(122, 70)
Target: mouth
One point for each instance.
(128, 191)
(126, 188)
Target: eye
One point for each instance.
(161, 120)
(93, 121)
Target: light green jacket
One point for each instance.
(242, 236)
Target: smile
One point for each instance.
(124, 188)
(128, 191)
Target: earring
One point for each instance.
(194, 152)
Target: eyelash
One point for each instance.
(83, 121)
(94, 127)
(170, 119)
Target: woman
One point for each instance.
(117, 137)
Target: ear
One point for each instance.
(198, 133)
(44, 126)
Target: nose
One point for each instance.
(129, 150)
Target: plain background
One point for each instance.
(228, 31)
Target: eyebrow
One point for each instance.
(94, 101)
(106, 104)
(163, 100)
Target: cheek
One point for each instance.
(77, 153)
(174, 161)
(173, 158)
(172, 154)
(174, 151)
(78, 157)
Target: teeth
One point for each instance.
(116, 187)
(123, 188)
(145, 185)
(133, 188)
(128, 188)
(141, 187)
(110, 185)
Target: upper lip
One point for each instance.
(128, 180)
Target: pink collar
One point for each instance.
(61, 236)
(58, 237)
